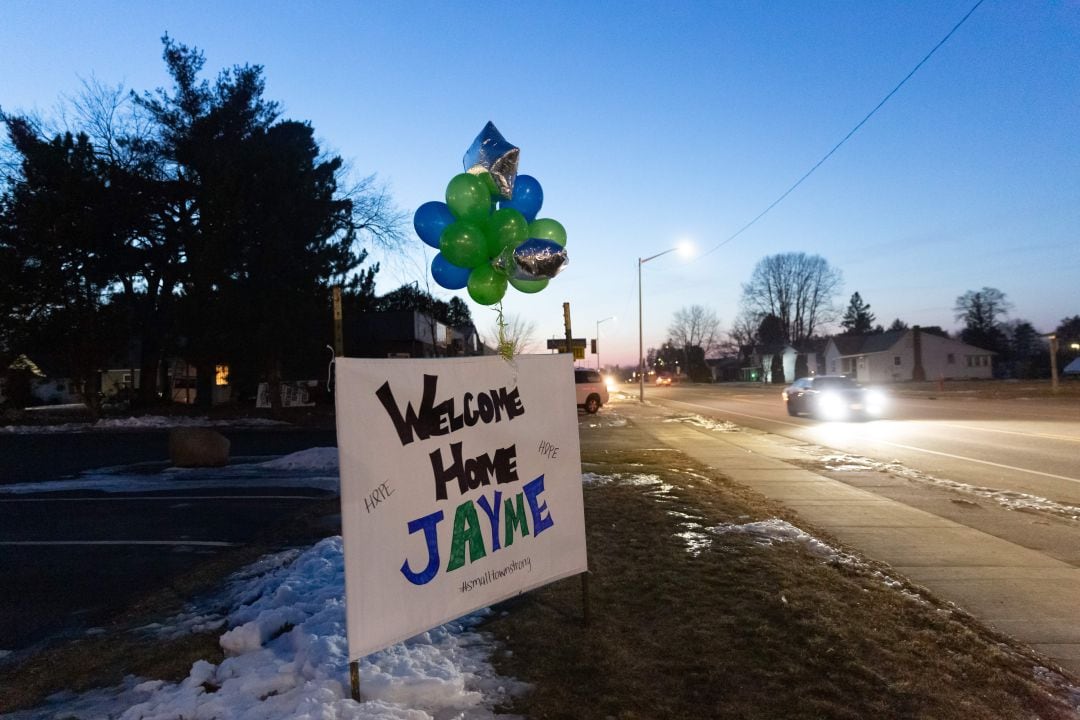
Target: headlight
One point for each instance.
(876, 402)
(832, 405)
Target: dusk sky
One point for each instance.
(649, 124)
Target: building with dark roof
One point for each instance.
(903, 355)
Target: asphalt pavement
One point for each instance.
(1024, 593)
(34, 457)
(71, 560)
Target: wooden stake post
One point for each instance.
(354, 679)
(584, 575)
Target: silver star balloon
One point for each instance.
(491, 153)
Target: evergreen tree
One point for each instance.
(57, 238)
(898, 324)
(1026, 350)
(857, 320)
(215, 222)
(259, 218)
(1068, 331)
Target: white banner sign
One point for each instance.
(460, 487)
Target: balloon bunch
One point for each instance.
(487, 232)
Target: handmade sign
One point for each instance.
(460, 487)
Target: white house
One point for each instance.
(902, 355)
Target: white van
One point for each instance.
(592, 393)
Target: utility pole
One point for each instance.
(1053, 363)
(597, 341)
(566, 325)
(339, 334)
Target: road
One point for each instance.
(71, 560)
(34, 457)
(1026, 446)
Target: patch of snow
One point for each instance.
(774, 530)
(287, 657)
(318, 458)
(1009, 499)
(705, 423)
(604, 419)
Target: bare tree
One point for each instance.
(795, 287)
(513, 334)
(743, 332)
(695, 332)
(695, 326)
(980, 311)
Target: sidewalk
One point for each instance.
(1020, 592)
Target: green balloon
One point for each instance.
(468, 197)
(486, 286)
(529, 286)
(463, 244)
(489, 181)
(506, 228)
(548, 229)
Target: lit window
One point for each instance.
(221, 375)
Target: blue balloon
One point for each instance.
(430, 220)
(449, 275)
(528, 197)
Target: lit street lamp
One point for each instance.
(683, 249)
(598, 339)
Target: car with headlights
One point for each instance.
(833, 397)
(662, 380)
(592, 391)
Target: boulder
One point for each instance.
(198, 447)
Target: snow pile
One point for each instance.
(1009, 499)
(319, 458)
(287, 657)
(145, 422)
(605, 419)
(705, 423)
(765, 533)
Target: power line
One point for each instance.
(855, 129)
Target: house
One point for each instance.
(409, 333)
(26, 384)
(759, 368)
(724, 369)
(903, 355)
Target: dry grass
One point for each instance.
(744, 631)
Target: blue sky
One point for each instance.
(652, 123)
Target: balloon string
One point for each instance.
(506, 348)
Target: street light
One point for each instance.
(684, 249)
(598, 339)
